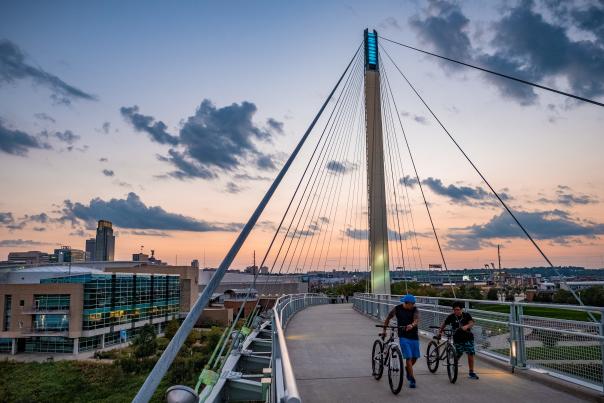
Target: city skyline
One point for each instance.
(174, 134)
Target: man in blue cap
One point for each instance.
(407, 318)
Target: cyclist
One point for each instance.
(461, 323)
(407, 316)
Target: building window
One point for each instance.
(49, 345)
(8, 299)
(6, 345)
(51, 302)
(89, 343)
(21, 303)
(51, 323)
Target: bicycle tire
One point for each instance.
(452, 363)
(377, 364)
(432, 356)
(396, 370)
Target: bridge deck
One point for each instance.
(330, 349)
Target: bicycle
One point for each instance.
(434, 354)
(387, 353)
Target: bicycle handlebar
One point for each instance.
(390, 327)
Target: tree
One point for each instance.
(492, 295)
(171, 329)
(563, 297)
(145, 343)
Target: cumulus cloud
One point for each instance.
(132, 213)
(233, 188)
(464, 195)
(106, 127)
(417, 118)
(103, 159)
(550, 224)
(108, 172)
(525, 44)
(66, 136)
(44, 117)
(338, 167)
(6, 218)
(5, 243)
(565, 196)
(211, 141)
(157, 130)
(17, 142)
(160, 234)
(14, 66)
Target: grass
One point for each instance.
(556, 313)
(69, 381)
(559, 353)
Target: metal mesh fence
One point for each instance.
(569, 349)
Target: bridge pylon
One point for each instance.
(376, 187)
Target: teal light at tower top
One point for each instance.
(371, 52)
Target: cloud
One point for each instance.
(566, 197)
(142, 123)
(103, 159)
(44, 117)
(464, 195)
(132, 213)
(390, 22)
(212, 141)
(6, 218)
(108, 172)
(550, 224)
(525, 44)
(13, 67)
(5, 243)
(233, 188)
(248, 177)
(67, 136)
(150, 233)
(17, 142)
(408, 181)
(363, 234)
(106, 127)
(417, 118)
(340, 167)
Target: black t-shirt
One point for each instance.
(405, 317)
(460, 335)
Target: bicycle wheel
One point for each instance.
(452, 366)
(377, 365)
(395, 369)
(432, 356)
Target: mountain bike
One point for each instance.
(387, 353)
(443, 350)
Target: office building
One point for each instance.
(105, 241)
(28, 258)
(56, 309)
(68, 255)
(91, 250)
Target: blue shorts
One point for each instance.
(410, 348)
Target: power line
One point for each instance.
(543, 87)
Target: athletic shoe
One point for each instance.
(412, 383)
(473, 375)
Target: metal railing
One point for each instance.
(568, 349)
(284, 389)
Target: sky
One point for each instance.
(172, 119)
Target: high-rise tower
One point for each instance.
(105, 241)
(378, 225)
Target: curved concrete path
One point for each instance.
(330, 348)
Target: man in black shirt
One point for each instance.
(407, 316)
(461, 323)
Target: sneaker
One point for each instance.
(412, 383)
(472, 375)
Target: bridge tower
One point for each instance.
(376, 187)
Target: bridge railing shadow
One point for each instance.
(549, 338)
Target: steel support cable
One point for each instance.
(386, 109)
(318, 191)
(312, 194)
(337, 103)
(543, 87)
(350, 207)
(159, 370)
(406, 201)
(334, 198)
(505, 206)
(390, 130)
(419, 182)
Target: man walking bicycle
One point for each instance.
(461, 323)
(407, 318)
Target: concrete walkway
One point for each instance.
(330, 348)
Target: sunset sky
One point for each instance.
(171, 118)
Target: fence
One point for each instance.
(284, 387)
(570, 349)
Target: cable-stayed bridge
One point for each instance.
(354, 187)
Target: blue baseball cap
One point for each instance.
(408, 298)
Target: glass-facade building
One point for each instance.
(113, 308)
